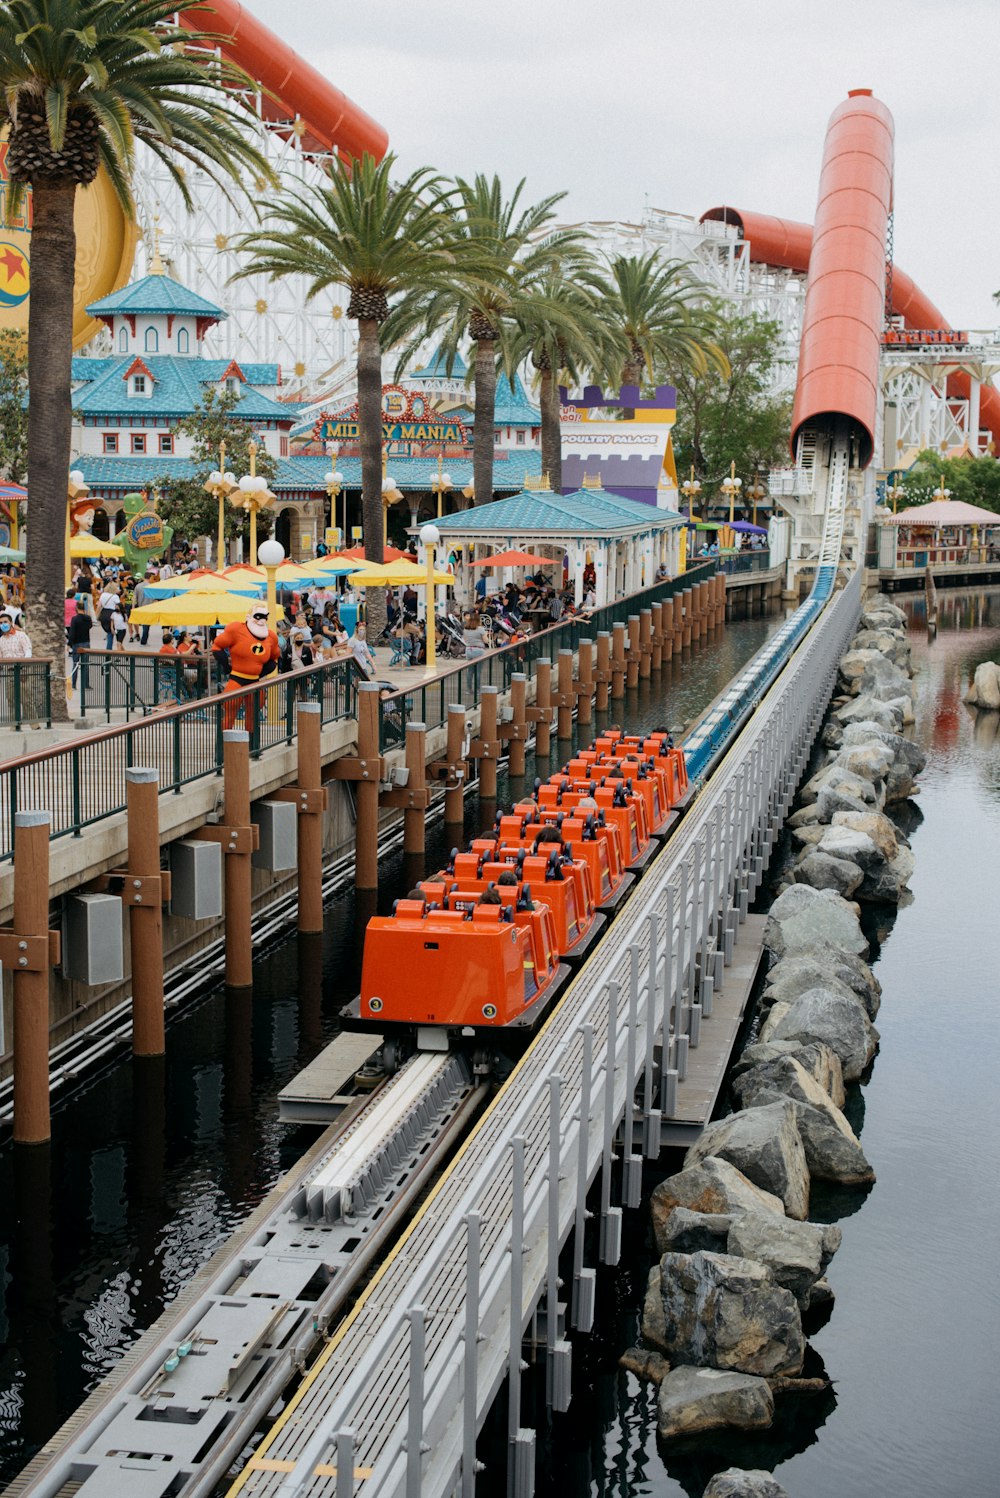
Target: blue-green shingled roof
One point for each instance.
(156, 294)
(512, 407)
(177, 389)
(438, 369)
(592, 512)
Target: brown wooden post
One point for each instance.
(311, 800)
(143, 894)
(31, 981)
(416, 763)
(618, 667)
(687, 605)
(585, 681)
(656, 657)
(667, 629)
(564, 695)
(603, 670)
(366, 788)
(678, 622)
(488, 735)
(238, 853)
(720, 599)
(454, 796)
(645, 643)
(632, 674)
(519, 718)
(700, 620)
(543, 703)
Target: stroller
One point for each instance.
(498, 626)
(452, 641)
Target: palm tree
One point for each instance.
(80, 82)
(506, 250)
(560, 327)
(664, 316)
(360, 230)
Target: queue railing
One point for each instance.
(83, 782)
(136, 683)
(742, 562)
(26, 693)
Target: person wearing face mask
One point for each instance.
(254, 651)
(15, 646)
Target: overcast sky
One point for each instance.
(619, 102)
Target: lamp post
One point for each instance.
(271, 555)
(941, 492)
(894, 493)
(731, 488)
(220, 485)
(334, 481)
(76, 488)
(390, 494)
(253, 495)
(755, 494)
(431, 537)
(690, 490)
(441, 484)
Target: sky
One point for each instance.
(623, 102)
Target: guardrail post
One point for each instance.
(585, 682)
(516, 731)
(415, 1447)
(309, 796)
(632, 672)
(470, 1355)
(489, 744)
(236, 790)
(656, 624)
(454, 796)
(28, 950)
(565, 697)
(611, 1217)
(543, 707)
(584, 1280)
(366, 789)
(416, 763)
(143, 894)
(603, 674)
(618, 666)
(645, 643)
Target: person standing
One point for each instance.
(15, 646)
(78, 636)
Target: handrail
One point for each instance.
(27, 691)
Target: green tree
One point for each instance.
(81, 81)
(735, 419)
(191, 511)
(503, 252)
(665, 318)
(13, 410)
(379, 239)
(976, 481)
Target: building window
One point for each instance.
(283, 447)
(139, 442)
(232, 385)
(182, 340)
(520, 436)
(152, 341)
(166, 443)
(123, 340)
(110, 442)
(138, 384)
(497, 438)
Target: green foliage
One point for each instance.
(739, 419)
(664, 318)
(13, 410)
(976, 481)
(190, 510)
(131, 74)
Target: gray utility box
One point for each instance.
(93, 948)
(279, 835)
(196, 880)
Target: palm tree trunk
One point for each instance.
(482, 434)
(50, 353)
(548, 400)
(370, 442)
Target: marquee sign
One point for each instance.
(407, 416)
(633, 456)
(145, 531)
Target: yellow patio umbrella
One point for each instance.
(196, 582)
(85, 545)
(193, 609)
(397, 575)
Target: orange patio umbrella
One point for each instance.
(515, 559)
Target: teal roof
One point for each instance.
(87, 367)
(156, 294)
(177, 388)
(591, 512)
(438, 369)
(512, 407)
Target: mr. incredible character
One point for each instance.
(253, 652)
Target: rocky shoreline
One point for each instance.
(741, 1271)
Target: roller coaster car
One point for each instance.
(621, 805)
(658, 746)
(586, 841)
(443, 973)
(648, 780)
(553, 878)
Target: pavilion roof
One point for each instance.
(542, 513)
(153, 294)
(942, 512)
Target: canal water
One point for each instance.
(152, 1165)
(912, 1344)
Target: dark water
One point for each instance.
(152, 1165)
(913, 1343)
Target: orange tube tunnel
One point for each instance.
(330, 119)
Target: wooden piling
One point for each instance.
(656, 655)
(454, 796)
(29, 961)
(564, 697)
(667, 629)
(490, 744)
(618, 666)
(687, 618)
(720, 599)
(645, 643)
(367, 788)
(416, 763)
(311, 801)
(603, 676)
(632, 658)
(238, 851)
(519, 722)
(543, 705)
(585, 682)
(143, 894)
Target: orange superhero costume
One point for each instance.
(253, 647)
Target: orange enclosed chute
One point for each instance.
(330, 119)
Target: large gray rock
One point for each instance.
(720, 1311)
(803, 918)
(796, 1253)
(832, 1149)
(867, 709)
(871, 761)
(884, 681)
(985, 688)
(881, 607)
(839, 841)
(834, 798)
(713, 1187)
(744, 1482)
(697, 1399)
(885, 884)
(908, 758)
(888, 642)
(829, 1015)
(765, 1146)
(816, 1060)
(875, 826)
(820, 871)
(687, 1232)
(801, 970)
(852, 666)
